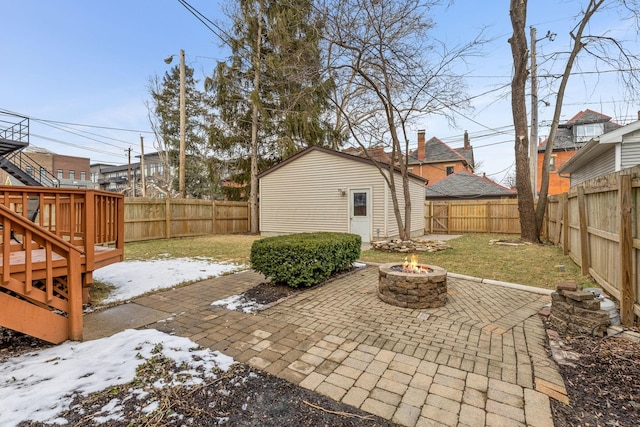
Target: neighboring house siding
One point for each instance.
(630, 155)
(604, 164)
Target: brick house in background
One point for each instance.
(376, 153)
(570, 137)
(435, 160)
(68, 171)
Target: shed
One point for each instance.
(319, 189)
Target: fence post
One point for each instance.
(213, 218)
(431, 217)
(558, 227)
(627, 296)
(488, 217)
(584, 234)
(167, 218)
(565, 226)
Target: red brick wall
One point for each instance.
(557, 184)
(435, 172)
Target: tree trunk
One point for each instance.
(592, 8)
(526, 207)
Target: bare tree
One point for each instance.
(602, 49)
(387, 72)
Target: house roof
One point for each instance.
(376, 153)
(597, 146)
(565, 140)
(585, 117)
(465, 185)
(334, 153)
(437, 151)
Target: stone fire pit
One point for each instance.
(427, 289)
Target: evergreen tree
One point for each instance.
(271, 93)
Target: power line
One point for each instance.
(36, 119)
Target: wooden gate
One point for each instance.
(438, 220)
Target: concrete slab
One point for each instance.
(104, 323)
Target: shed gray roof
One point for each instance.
(465, 185)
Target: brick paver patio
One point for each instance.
(479, 360)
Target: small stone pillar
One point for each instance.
(577, 312)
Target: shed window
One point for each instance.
(359, 204)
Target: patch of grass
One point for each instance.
(472, 255)
(99, 291)
(233, 248)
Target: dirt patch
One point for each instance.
(14, 343)
(241, 396)
(602, 384)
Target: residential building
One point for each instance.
(57, 169)
(121, 177)
(612, 152)
(571, 137)
(435, 160)
(376, 153)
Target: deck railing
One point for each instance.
(82, 217)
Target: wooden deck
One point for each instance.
(54, 240)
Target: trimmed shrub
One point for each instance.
(304, 259)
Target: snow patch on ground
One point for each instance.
(134, 278)
(40, 385)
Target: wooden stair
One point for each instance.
(45, 275)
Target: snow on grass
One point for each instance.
(134, 278)
(40, 385)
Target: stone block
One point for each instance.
(578, 295)
(561, 307)
(592, 305)
(567, 286)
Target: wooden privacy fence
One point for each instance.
(597, 224)
(148, 219)
(472, 216)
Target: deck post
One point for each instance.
(89, 213)
(74, 284)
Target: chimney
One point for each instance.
(421, 151)
(467, 145)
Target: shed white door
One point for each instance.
(360, 213)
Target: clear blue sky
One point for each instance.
(89, 62)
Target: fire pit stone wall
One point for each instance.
(413, 290)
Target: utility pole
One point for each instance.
(143, 171)
(129, 171)
(183, 125)
(533, 141)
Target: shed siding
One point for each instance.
(604, 164)
(303, 196)
(416, 189)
